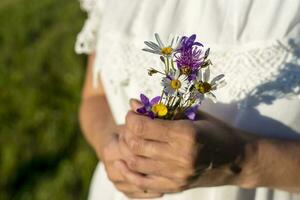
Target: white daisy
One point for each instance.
(203, 87)
(160, 48)
(175, 83)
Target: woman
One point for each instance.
(248, 143)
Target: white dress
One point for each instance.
(255, 43)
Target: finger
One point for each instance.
(144, 195)
(147, 148)
(151, 183)
(133, 191)
(135, 104)
(128, 188)
(113, 173)
(130, 176)
(142, 164)
(141, 126)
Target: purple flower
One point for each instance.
(147, 105)
(187, 43)
(189, 62)
(189, 56)
(191, 113)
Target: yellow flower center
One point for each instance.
(186, 70)
(203, 87)
(175, 84)
(160, 109)
(167, 51)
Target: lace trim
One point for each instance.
(87, 39)
(247, 71)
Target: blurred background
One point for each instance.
(42, 152)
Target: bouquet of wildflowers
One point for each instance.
(185, 79)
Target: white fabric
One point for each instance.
(255, 43)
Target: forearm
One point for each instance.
(96, 121)
(271, 163)
(279, 164)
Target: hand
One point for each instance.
(182, 154)
(111, 157)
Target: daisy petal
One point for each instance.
(152, 45)
(217, 78)
(172, 42)
(151, 51)
(211, 96)
(161, 44)
(206, 74)
(219, 85)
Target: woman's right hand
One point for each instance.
(110, 156)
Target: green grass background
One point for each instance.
(42, 152)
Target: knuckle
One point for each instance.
(182, 176)
(133, 162)
(134, 145)
(134, 123)
(187, 131)
(185, 174)
(188, 160)
(139, 127)
(140, 183)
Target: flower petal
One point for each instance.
(219, 85)
(191, 113)
(206, 74)
(141, 110)
(152, 51)
(211, 96)
(155, 100)
(198, 44)
(152, 45)
(161, 44)
(217, 78)
(144, 99)
(151, 115)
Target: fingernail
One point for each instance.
(132, 101)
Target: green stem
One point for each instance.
(172, 64)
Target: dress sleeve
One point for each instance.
(87, 38)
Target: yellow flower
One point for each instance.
(160, 109)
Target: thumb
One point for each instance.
(135, 104)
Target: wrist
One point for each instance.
(102, 140)
(250, 174)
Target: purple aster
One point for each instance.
(147, 105)
(189, 56)
(191, 113)
(189, 62)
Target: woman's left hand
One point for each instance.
(171, 156)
